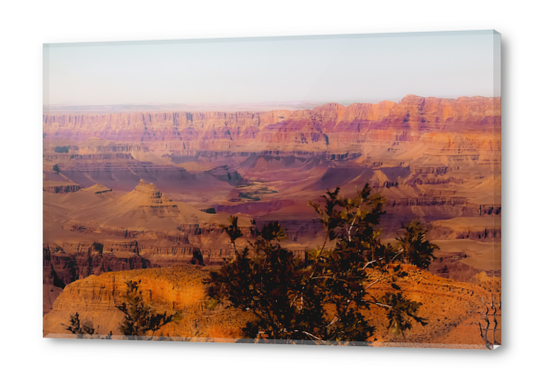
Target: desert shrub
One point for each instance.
(62, 149)
(78, 328)
(416, 249)
(139, 317)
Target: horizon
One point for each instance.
(217, 107)
(343, 69)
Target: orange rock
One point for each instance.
(452, 309)
(236, 131)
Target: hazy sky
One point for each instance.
(344, 69)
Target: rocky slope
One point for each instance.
(451, 308)
(168, 290)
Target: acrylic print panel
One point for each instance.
(308, 190)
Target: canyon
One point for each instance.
(151, 190)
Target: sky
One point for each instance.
(343, 69)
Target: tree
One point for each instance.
(56, 168)
(79, 329)
(416, 249)
(321, 299)
(139, 317)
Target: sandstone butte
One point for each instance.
(453, 309)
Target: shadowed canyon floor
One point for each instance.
(149, 190)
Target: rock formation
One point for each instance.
(172, 289)
(97, 188)
(60, 187)
(62, 268)
(451, 308)
(327, 127)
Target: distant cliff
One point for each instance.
(330, 126)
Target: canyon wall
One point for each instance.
(330, 126)
(64, 265)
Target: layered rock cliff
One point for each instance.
(61, 267)
(330, 126)
(60, 187)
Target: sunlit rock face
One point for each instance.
(450, 308)
(329, 126)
